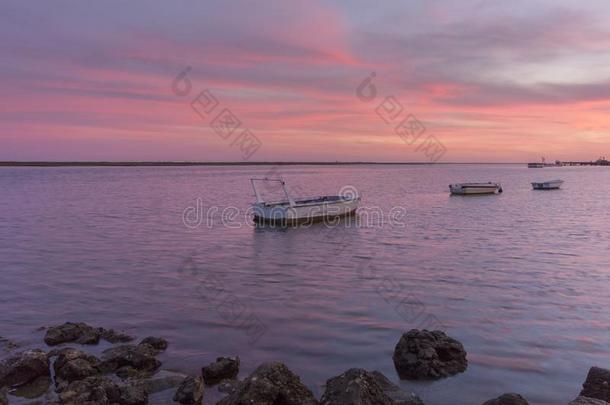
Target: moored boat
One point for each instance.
(475, 188)
(547, 185)
(308, 209)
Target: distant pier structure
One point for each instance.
(602, 161)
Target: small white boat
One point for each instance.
(310, 209)
(475, 188)
(548, 185)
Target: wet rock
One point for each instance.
(8, 345)
(23, 368)
(82, 333)
(133, 395)
(271, 384)
(72, 365)
(190, 391)
(597, 384)
(33, 389)
(360, 387)
(71, 332)
(162, 381)
(354, 387)
(588, 401)
(507, 399)
(140, 358)
(110, 336)
(423, 354)
(158, 344)
(229, 386)
(95, 390)
(222, 368)
(130, 373)
(103, 391)
(399, 396)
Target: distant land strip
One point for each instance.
(152, 163)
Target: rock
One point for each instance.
(8, 345)
(399, 396)
(360, 387)
(507, 399)
(82, 333)
(222, 368)
(159, 344)
(95, 390)
(3, 399)
(229, 386)
(190, 391)
(110, 336)
(162, 381)
(72, 365)
(588, 401)
(271, 384)
(24, 368)
(33, 389)
(133, 395)
(428, 355)
(103, 391)
(597, 384)
(71, 332)
(140, 358)
(354, 387)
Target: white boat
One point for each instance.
(309, 209)
(547, 185)
(475, 188)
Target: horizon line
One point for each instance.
(44, 163)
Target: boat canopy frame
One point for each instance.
(280, 180)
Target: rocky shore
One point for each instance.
(128, 373)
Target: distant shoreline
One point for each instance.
(152, 163)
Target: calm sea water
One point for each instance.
(522, 278)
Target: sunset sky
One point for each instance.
(492, 81)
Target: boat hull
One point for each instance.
(315, 211)
(547, 185)
(475, 188)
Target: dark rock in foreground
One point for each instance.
(229, 386)
(83, 334)
(161, 381)
(33, 389)
(71, 332)
(588, 401)
(130, 358)
(157, 343)
(3, 400)
(133, 395)
(101, 390)
(23, 368)
(91, 389)
(399, 396)
(222, 368)
(190, 391)
(271, 384)
(428, 355)
(72, 365)
(507, 399)
(360, 387)
(597, 384)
